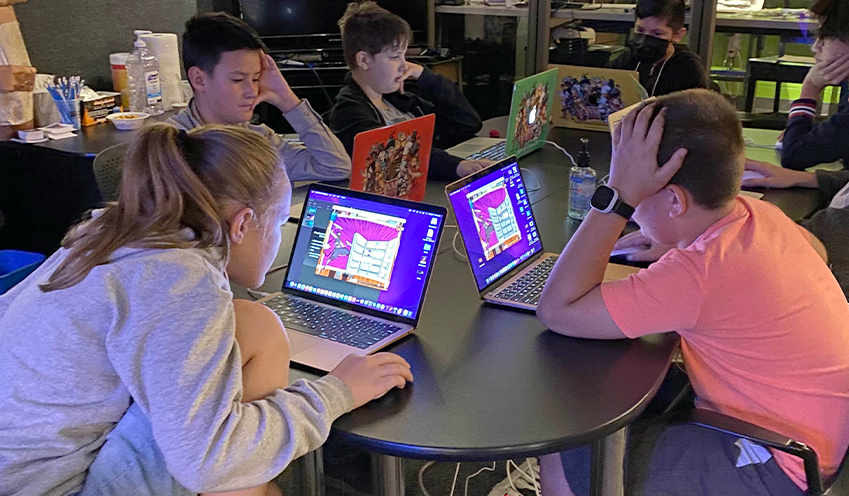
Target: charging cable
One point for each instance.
(555, 145)
(539, 184)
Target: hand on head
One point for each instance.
(634, 170)
(829, 72)
(273, 87)
(370, 377)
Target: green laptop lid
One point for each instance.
(531, 111)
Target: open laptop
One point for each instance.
(393, 160)
(531, 110)
(357, 275)
(505, 252)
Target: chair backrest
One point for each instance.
(108, 167)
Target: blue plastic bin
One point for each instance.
(15, 266)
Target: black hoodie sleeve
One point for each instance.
(806, 145)
(456, 119)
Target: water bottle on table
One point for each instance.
(143, 78)
(581, 184)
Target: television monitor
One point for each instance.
(310, 23)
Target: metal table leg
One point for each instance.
(312, 473)
(608, 466)
(388, 475)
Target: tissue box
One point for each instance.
(95, 111)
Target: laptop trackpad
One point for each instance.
(300, 342)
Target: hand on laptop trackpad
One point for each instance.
(750, 174)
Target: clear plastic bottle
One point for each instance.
(143, 78)
(581, 184)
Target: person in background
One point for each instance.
(655, 52)
(375, 41)
(146, 377)
(231, 73)
(805, 145)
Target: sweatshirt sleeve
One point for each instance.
(830, 182)
(806, 145)
(321, 157)
(175, 351)
(456, 119)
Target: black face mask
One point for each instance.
(648, 49)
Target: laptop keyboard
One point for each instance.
(329, 323)
(527, 288)
(495, 152)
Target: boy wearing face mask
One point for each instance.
(664, 65)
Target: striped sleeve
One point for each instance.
(803, 107)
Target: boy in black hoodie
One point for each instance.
(374, 41)
(664, 65)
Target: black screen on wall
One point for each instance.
(273, 18)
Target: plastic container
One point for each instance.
(118, 62)
(15, 266)
(70, 112)
(127, 121)
(581, 184)
(143, 78)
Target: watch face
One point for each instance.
(602, 197)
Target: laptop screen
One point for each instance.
(370, 253)
(494, 217)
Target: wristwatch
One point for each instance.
(606, 200)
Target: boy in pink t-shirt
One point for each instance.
(764, 325)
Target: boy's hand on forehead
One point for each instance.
(273, 87)
(634, 170)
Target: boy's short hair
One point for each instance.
(209, 35)
(671, 11)
(706, 124)
(370, 28)
(834, 18)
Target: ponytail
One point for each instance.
(173, 180)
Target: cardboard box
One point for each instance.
(16, 78)
(95, 111)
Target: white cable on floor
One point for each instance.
(491, 469)
(454, 246)
(421, 477)
(456, 473)
(555, 145)
(529, 477)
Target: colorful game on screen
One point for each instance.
(393, 160)
(495, 219)
(370, 254)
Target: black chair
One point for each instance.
(108, 170)
(838, 485)
(43, 192)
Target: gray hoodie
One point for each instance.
(321, 158)
(157, 327)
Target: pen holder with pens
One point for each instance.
(69, 110)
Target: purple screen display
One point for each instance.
(365, 253)
(495, 220)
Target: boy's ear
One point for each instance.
(196, 77)
(679, 200)
(363, 60)
(679, 35)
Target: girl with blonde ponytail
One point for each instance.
(126, 367)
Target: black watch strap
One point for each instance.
(623, 209)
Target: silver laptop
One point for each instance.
(501, 238)
(531, 109)
(357, 275)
